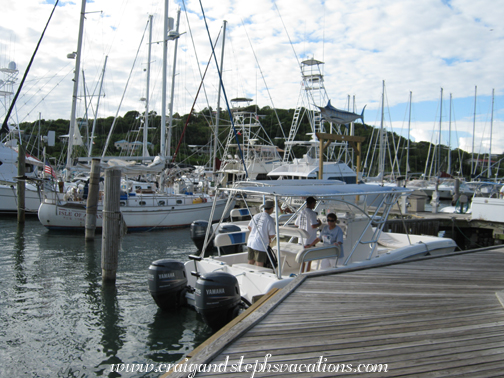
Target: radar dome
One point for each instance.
(12, 66)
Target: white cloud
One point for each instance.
(417, 46)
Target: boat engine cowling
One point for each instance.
(168, 283)
(197, 231)
(217, 298)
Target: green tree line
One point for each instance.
(276, 123)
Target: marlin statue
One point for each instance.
(342, 117)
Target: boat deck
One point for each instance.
(425, 318)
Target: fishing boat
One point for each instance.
(336, 158)
(259, 153)
(216, 279)
(308, 168)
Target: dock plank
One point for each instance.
(424, 318)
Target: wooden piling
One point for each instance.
(92, 200)
(21, 184)
(111, 225)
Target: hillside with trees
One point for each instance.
(199, 132)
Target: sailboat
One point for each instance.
(144, 206)
(9, 158)
(308, 166)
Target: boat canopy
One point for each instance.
(318, 189)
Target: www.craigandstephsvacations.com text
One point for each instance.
(251, 369)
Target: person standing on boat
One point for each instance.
(307, 220)
(331, 234)
(262, 230)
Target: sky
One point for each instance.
(368, 47)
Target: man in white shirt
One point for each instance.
(308, 221)
(262, 230)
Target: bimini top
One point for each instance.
(318, 188)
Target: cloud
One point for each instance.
(417, 46)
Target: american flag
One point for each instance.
(49, 170)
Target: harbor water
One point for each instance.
(58, 320)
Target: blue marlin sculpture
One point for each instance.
(342, 117)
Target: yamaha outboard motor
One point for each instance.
(168, 283)
(217, 298)
(198, 231)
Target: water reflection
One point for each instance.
(112, 332)
(19, 247)
(165, 344)
(55, 309)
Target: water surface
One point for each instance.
(58, 320)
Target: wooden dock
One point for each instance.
(425, 318)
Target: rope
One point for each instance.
(124, 93)
(5, 127)
(224, 92)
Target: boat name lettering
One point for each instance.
(215, 291)
(76, 214)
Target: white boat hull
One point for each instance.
(488, 209)
(139, 213)
(255, 281)
(9, 199)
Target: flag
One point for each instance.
(48, 169)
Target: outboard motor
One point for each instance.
(168, 283)
(198, 231)
(217, 298)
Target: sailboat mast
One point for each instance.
(97, 107)
(490, 148)
(75, 90)
(438, 170)
(145, 152)
(381, 156)
(474, 131)
(409, 129)
(163, 97)
(173, 36)
(217, 116)
(449, 138)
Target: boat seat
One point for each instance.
(387, 241)
(230, 238)
(240, 213)
(317, 253)
(293, 232)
